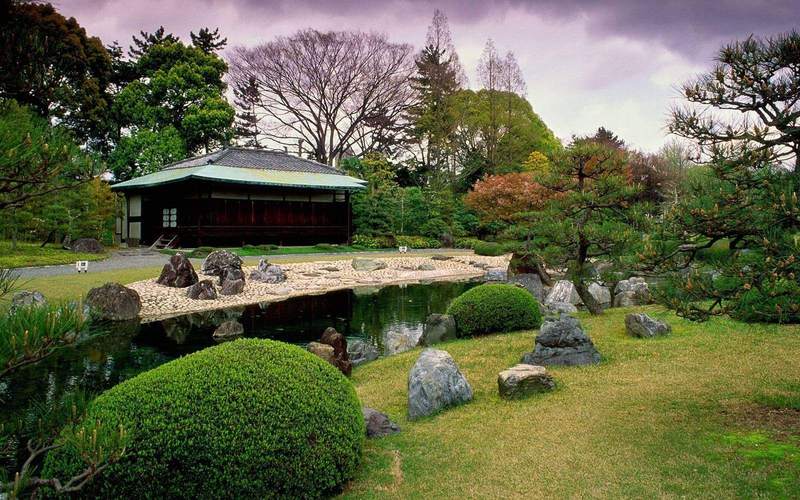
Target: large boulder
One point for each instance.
(563, 291)
(435, 383)
(228, 330)
(521, 380)
(178, 272)
(642, 325)
(25, 298)
(231, 281)
(556, 308)
(218, 261)
(361, 351)
(87, 245)
(339, 343)
(268, 273)
(531, 282)
(631, 292)
(600, 293)
(378, 424)
(323, 351)
(562, 341)
(438, 328)
(368, 265)
(114, 302)
(400, 339)
(202, 290)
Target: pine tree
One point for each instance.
(142, 45)
(246, 127)
(208, 41)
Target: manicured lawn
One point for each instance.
(75, 286)
(30, 254)
(705, 412)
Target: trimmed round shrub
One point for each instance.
(248, 419)
(488, 248)
(495, 308)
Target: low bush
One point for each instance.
(364, 241)
(468, 243)
(249, 419)
(201, 252)
(416, 242)
(495, 308)
(489, 249)
(327, 247)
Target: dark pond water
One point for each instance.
(390, 317)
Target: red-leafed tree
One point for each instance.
(500, 198)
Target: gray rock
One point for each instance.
(378, 424)
(87, 245)
(435, 383)
(360, 351)
(425, 266)
(531, 282)
(268, 273)
(324, 351)
(495, 274)
(563, 291)
(400, 339)
(202, 290)
(178, 272)
(642, 325)
(556, 308)
(439, 256)
(114, 302)
(368, 265)
(438, 328)
(562, 341)
(232, 287)
(522, 380)
(330, 269)
(631, 292)
(218, 261)
(228, 330)
(600, 293)
(25, 298)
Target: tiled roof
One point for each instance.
(256, 158)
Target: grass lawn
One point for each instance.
(30, 254)
(704, 412)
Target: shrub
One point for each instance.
(489, 248)
(362, 240)
(201, 252)
(495, 308)
(327, 247)
(416, 242)
(249, 418)
(466, 243)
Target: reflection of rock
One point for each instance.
(361, 351)
(364, 291)
(180, 327)
(25, 298)
(114, 302)
(178, 272)
(400, 340)
(435, 383)
(438, 328)
(202, 290)
(378, 424)
(368, 265)
(228, 330)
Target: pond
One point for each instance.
(391, 318)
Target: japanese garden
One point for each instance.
(389, 260)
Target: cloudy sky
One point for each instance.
(615, 63)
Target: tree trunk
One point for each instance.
(543, 274)
(588, 299)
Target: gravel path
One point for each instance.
(136, 259)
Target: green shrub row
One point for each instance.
(417, 242)
(251, 418)
(493, 308)
(489, 248)
(364, 241)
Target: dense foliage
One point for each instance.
(246, 418)
(495, 308)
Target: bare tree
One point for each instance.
(490, 74)
(340, 92)
(511, 80)
(441, 39)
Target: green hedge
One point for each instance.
(489, 248)
(466, 242)
(249, 419)
(362, 240)
(495, 308)
(417, 242)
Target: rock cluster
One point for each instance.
(642, 325)
(438, 328)
(564, 292)
(269, 273)
(178, 272)
(378, 424)
(562, 341)
(361, 351)
(521, 380)
(113, 302)
(435, 383)
(202, 290)
(631, 292)
(25, 298)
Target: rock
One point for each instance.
(340, 358)
(330, 269)
(202, 290)
(178, 272)
(219, 260)
(522, 380)
(324, 351)
(600, 293)
(439, 256)
(557, 308)
(563, 291)
(87, 245)
(25, 298)
(378, 424)
(426, 266)
(400, 340)
(368, 265)
(228, 331)
(114, 302)
(642, 325)
(360, 351)
(232, 287)
(531, 282)
(435, 383)
(562, 341)
(438, 328)
(495, 274)
(631, 292)
(268, 273)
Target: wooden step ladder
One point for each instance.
(163, 242)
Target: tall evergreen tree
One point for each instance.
(246, 129)
(142, 45)
(208, 41)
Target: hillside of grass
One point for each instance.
(33, 254)
(710, 410)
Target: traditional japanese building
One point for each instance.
(238, 196)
